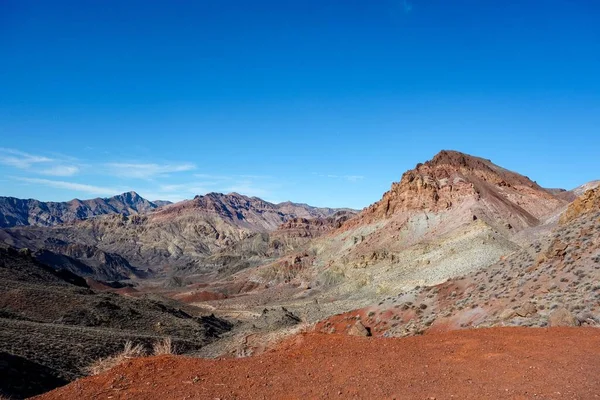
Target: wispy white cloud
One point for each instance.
(184, 185)
(60, 170)
(20, 159)
(354, 178)
(146, 171)
(349, 178)
(56, 166)
(79, 187)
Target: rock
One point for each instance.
(358, 329)
(507, 314)
(587, 319)
(526, 309)
(562, 317)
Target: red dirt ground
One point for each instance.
(497, 363)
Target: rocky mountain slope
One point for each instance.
(554, 280)
(21, 212)
(52, 326)
(451, 215)
(212, 234)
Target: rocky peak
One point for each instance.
(452, 157)
(450, 178)
(128, 198)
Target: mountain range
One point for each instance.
(191, 236)
(457, 242)
(26, 212)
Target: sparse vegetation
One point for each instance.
(130, 351)
(104, 364)
(163, 347)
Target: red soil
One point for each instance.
(511, 363)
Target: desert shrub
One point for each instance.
(130, 351)
(104, 364)
(163, 347)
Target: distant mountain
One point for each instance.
(21, 212)
(246, 212)
(301, 210)
(160, 203)
(194, 236)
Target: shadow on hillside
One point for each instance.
(21, 378)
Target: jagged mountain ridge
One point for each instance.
(194, 236)
(252, 213)
(25, 212)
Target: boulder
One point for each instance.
(506, 314)
(562, 317)
(526, 310)
(358, 329)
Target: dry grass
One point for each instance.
(165, 346)
(130, 351)
(104, 364)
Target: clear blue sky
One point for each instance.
(324, 102)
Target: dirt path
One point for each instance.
(509, 363)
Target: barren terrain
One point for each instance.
(498, 363)
(457, 243)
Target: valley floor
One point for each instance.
(494, 363)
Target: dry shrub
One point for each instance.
(104, 364)
(163, 347)
(130, 350)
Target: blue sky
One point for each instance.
(323, 102)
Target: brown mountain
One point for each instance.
(24, 212)
(198, 236)
(446, 217)
(552, 279)
(452, 180)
